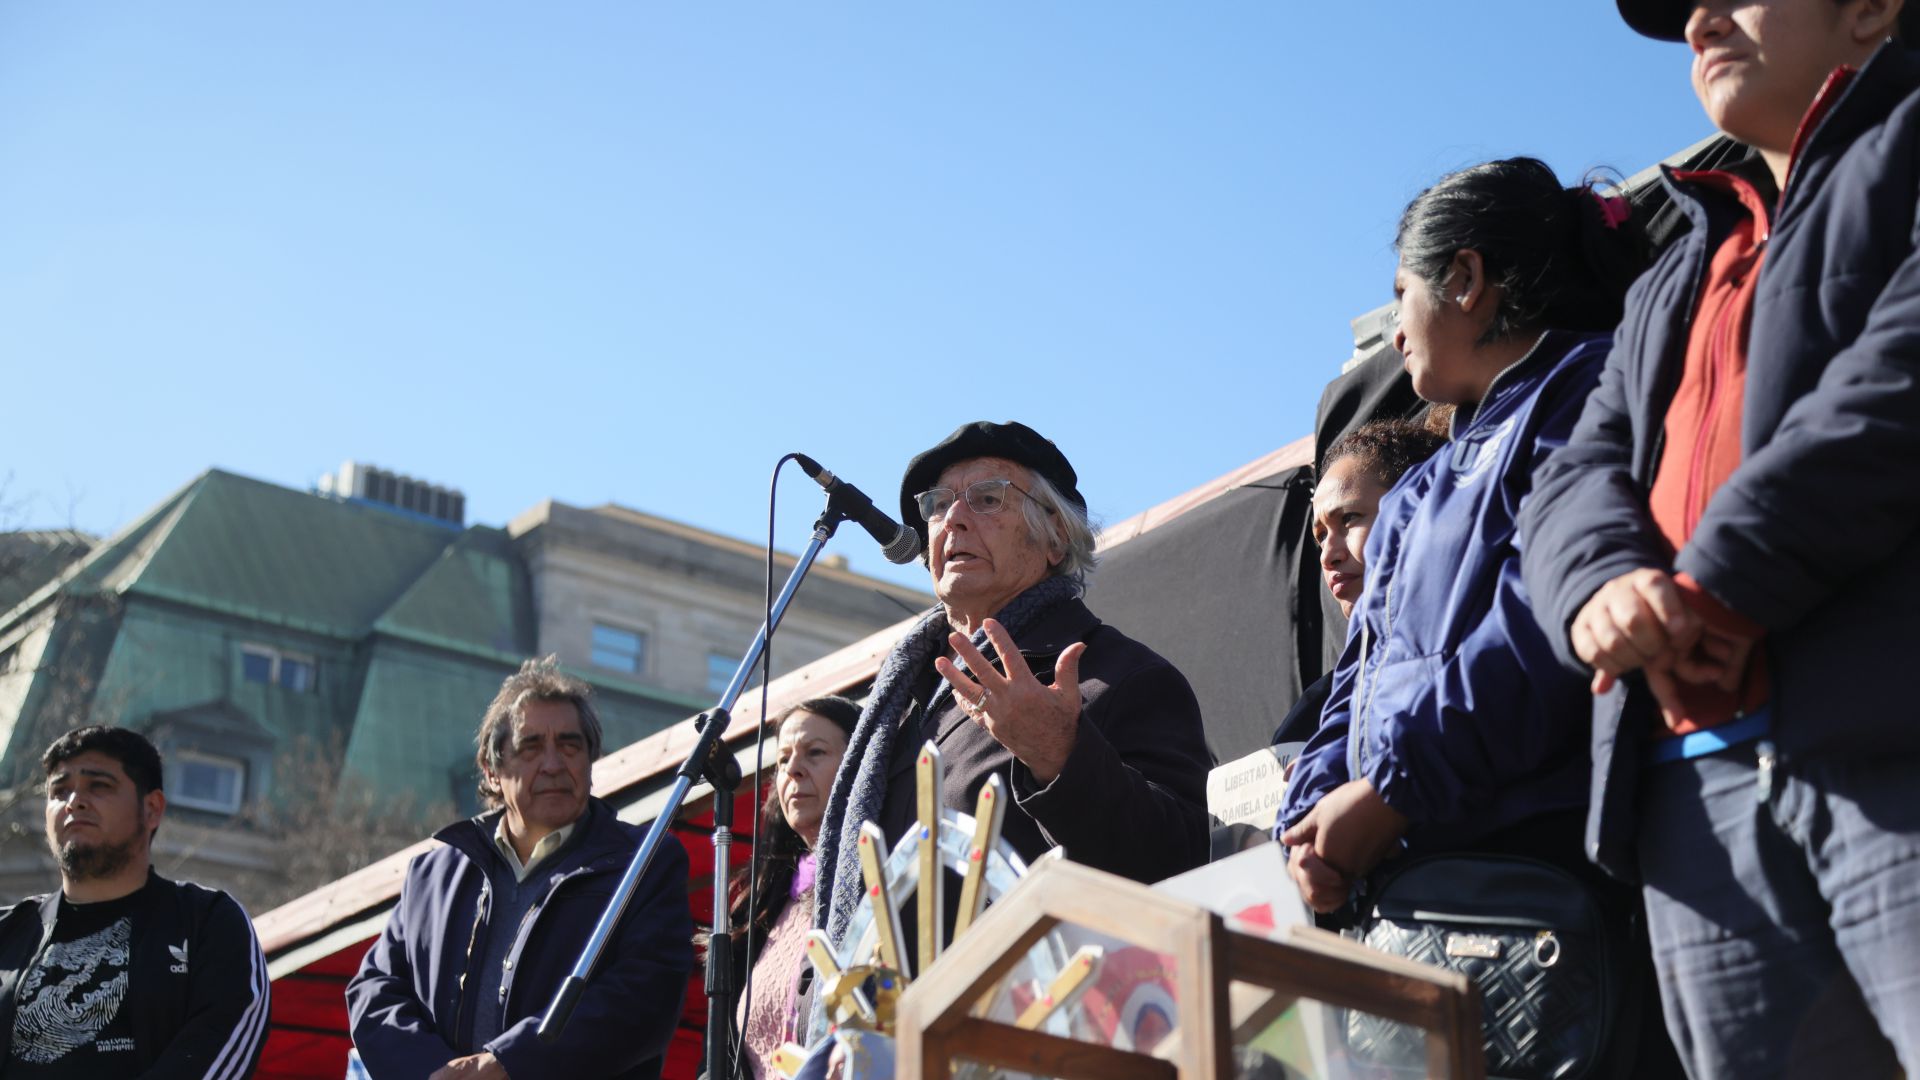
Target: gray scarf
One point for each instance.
(860, 790)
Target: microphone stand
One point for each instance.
(719, 768)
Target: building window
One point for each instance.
(619, 650)
(291, 671)
(295, 674)
(256, 665)
(207, 782)
(720, 669)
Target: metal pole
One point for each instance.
(723, 772)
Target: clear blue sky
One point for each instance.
(634, 251)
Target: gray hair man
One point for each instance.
(1097, 737)
(489, 924)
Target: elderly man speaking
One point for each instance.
(1097, 737)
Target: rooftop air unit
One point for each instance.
(370, 483)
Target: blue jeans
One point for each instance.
(1786, 925)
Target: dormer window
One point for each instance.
(273, 667)
(203, 781)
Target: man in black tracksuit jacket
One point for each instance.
(123, 973)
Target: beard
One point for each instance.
(85, 862)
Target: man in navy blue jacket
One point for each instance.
(489, 925)
(1731, 529)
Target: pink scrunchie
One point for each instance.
(1614, 209)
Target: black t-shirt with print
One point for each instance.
(73, 1019)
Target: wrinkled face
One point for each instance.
(1758, 64)
(1344, 506)
(543, 776)
(811, 747)
(1436, 338)
(981, 561)
(97, 822)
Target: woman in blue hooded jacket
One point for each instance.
(1451, 725)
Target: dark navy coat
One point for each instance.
(405, 1003)
(1813, 536)
(1449, 697)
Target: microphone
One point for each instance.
(898, 543)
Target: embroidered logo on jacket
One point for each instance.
(1474, 454)
(179, 966)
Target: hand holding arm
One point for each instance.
(1350, 831)
(1633, 621)
(1321, 887)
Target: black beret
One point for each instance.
(1666, 20)
(983, 438)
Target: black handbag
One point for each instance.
(1528, 934)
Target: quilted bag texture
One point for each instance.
(1527, 934)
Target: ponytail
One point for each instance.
(1562, 257)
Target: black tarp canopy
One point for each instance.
(1230, 589)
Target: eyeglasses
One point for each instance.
(983, 497)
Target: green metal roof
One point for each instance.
(476, 594)
(414, 725)
(266, 552)
(413, 624)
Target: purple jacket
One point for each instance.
(407, 1012)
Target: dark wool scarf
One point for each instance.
(858, 792)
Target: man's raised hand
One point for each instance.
(1036, 723)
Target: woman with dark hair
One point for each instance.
(771, 938)
(1451, 727)
(1361, 466)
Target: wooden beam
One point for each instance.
(1115, 906)
(973, 963)
(1387, 986)
(1041, 1054)
(1220, 971)
(1325, 967)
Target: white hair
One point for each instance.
(1065, 532)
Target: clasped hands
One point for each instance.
(483, 1066)
(1344, 836)
(1036, 723)
(1640, 621)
